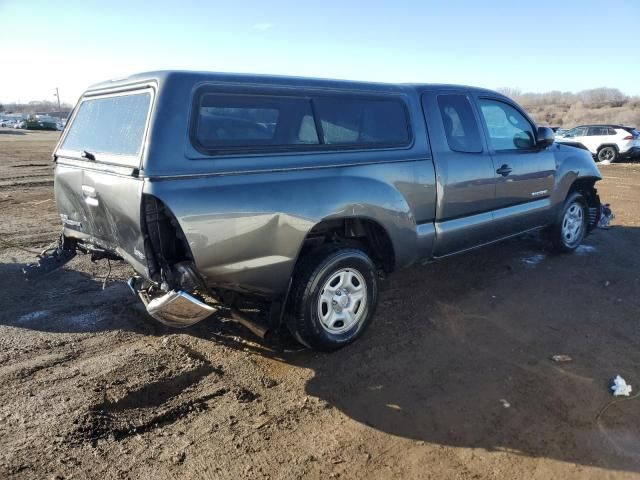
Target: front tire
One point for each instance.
(570, 227)
(334, 297)
(607, 155)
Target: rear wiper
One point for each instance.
(88, 155)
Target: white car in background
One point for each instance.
(607, 143)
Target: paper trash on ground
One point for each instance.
(620, 387)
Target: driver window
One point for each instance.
(508, 128)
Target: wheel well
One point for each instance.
(586, 187)
(167, 250)
(360, 232)
(615, 147)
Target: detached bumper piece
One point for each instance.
(51, 260)
(177, 309)
(606, 216)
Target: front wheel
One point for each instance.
(607, 155)
(571, 225)
(334, 297)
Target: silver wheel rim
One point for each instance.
(572, 224)
(343, 301)
(606, 154)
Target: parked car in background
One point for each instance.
(607, 143)
(40, 123)
(559, 132)
(302, 193)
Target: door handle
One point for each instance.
(504, 170)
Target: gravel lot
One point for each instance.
(454, 379)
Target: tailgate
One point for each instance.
(97, 189)
(103, 210)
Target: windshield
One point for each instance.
(110, 128)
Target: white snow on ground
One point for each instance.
(84, 321)
(585, 249)
(38, 314)
(534, 259)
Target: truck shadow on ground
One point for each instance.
(460, 354)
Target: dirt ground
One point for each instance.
(454, 379)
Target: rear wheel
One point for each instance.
(571, 226)
(607, 155)
(334, 296)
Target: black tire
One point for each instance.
(563, 238)
(306, 306)
(607, 155)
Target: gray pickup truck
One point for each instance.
(303, 192)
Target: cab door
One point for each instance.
(465, 178)
(524, 174)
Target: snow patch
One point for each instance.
(585, 249)
(84, 321)
(534, 259)
(29, 317)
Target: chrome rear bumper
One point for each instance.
(176, 308)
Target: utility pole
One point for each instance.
(57, 94)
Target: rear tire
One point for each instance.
(334, 297)
(607, 155)
(570, 227)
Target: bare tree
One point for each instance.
(598, 105)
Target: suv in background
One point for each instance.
(607, 143)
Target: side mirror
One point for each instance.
(545, 137)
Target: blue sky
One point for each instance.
(535, 45)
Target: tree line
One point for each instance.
(567, 109)
(36, 106)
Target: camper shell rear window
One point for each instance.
(109, 128)
(227, 123)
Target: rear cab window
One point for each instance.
(110, 128)
(236, 123)
(351, 121)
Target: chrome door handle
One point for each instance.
(504, 170)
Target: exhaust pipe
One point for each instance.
(258, 330)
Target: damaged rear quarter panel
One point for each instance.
(245, 231)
